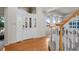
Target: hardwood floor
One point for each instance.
(37, 44)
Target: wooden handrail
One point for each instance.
(69, 18)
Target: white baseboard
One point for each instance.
(39, 36)
(26, 39)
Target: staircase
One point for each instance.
(71, 36)
(65, 36)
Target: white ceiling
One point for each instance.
(48, 9)
(63, 11)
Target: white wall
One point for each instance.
(38, 31)
(15, 20)
(41, 23)
(10, 14)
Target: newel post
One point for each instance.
(60, 40)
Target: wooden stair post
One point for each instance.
(60, 40)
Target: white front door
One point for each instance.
(24, 29)
(29, 27)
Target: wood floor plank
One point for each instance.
(37, 44)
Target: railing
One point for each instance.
(71, 35)
(66, 36)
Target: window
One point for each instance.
(55, 19)
(70, 23)
(47, 20)
(74, 24)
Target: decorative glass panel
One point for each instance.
(30, 22)
(34, 22)
(26, 24)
